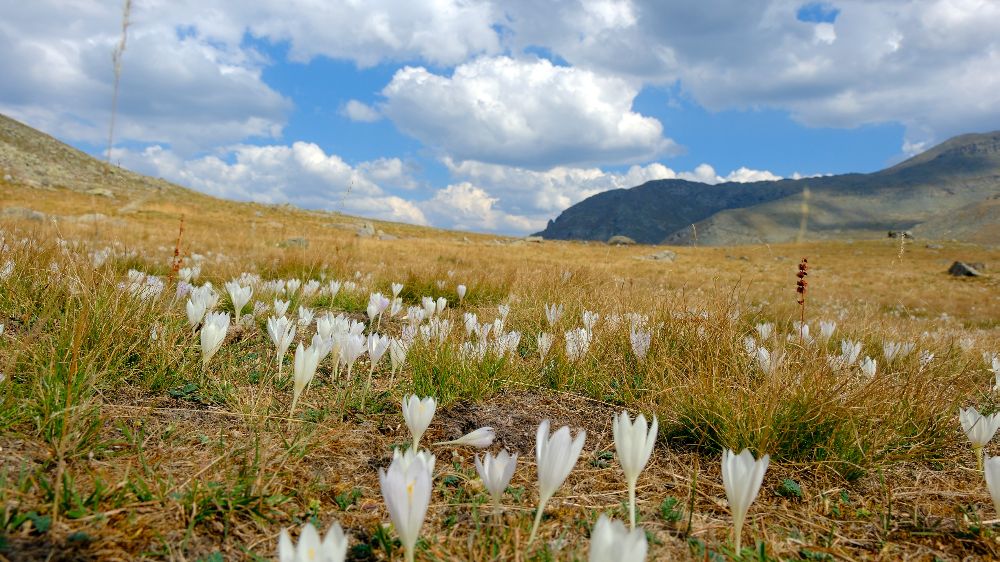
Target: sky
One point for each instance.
(494, 116)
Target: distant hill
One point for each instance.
(949, 191)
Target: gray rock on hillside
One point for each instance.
(619, 240)
(962, 269)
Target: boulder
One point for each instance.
(534, 239)
(384, 236)
(901, 233)
(367, 230)
(619, 240)
(962, 269)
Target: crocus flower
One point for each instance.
(893, 350)
(611, 542)
(333, 548)
(281, 307)
(306, 316)
(992, 473)
(590, 320)
(397, 354)
(460, 290)
(396, 289)
(406, 488)
(826, 329)
(239, 295)
(306, 361)
(544, 344)
(213, 332)
(868, 366)
(441, 304)
(634, 443)
(352, 346)
(496, 472)
(640, 340)
(195, 311)
(282, 332)
(418, 414)
(979, 429)
(742, 477)
(479, 438)
(577, 343)
(555, 455)
(764, 330)
(430, 307)
(553, 313)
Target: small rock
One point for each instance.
(934, 246)
(534, 239)
(901, 233)
(384, 236)
(465, 240)
(619, 240)
(102, 191)
(297, 242)
(962, 269)
(663, 255)
(367, 230)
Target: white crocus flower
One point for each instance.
(553, 313)
(610, 541)
(430, 307)
(397, 354)
(979, 429)
(306, 316)
(196, 309)
(764, 330)
(555, 455)
(306, 361)
(282, 332)
(590, 321)
(406, 488)
(213, 333)
(742, 477)
(826, 329)
(544, 344)
(640, 340)
(281, 307)
(479, 438)
(333, 548)
(460, 290)
(577, 343)
(633, 443)
(239, 296)
(396, 289)
(992, 472)
(442, 303)
(868, 367)
(496, 473)
(418, 414)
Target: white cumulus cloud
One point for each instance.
(528, 113)
(360, 111)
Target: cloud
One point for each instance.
(181, 89)
(931, 66)
(360, 111)
(301, 174)
(467, 207)
(528, 113)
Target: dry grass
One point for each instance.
(115, 448)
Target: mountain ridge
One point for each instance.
(961, 173)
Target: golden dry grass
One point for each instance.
(185, 474)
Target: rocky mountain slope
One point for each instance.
(949, 191)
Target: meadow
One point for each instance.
(122, 439)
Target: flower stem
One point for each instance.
(409, 554)
(538, 519)
(631, 504)
(739, 537)
(979, 458)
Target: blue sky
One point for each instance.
(496, 116)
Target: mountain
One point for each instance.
(43, 178)
(950, 191)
